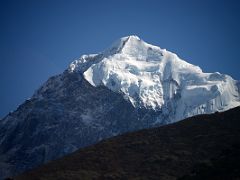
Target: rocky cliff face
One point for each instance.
(69, 114)
(132, 85)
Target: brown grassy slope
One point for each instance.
(187, 150)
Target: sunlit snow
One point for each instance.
(152, 77)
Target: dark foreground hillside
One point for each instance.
(201, 147)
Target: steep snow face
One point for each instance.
(154, 78)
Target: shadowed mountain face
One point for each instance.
(200, 147)
(70, 114)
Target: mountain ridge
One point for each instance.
(199, 147)
(151, 77)
(107, 94)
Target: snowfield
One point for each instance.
(153, 78)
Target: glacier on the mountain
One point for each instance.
(157, 79)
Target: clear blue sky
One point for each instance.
(39, 38)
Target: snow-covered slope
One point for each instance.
(154, 78)
(130, 86)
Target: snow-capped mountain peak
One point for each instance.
(152, 77)
(130, 86)
(130, 45)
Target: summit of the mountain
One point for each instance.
(151, 77)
